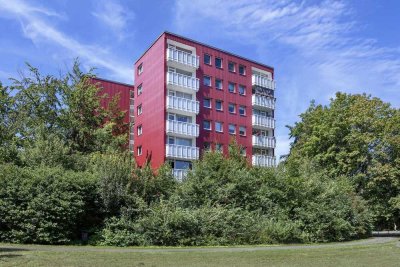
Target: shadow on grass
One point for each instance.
(11, 249)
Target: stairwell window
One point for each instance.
(139, 90)
(139, 130)
(139, 150)
(139, 109)
(140, 69)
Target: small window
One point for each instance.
(242, 70)
(242, 131)
(207, 59)
(242, 90)
(231, 87)
(140, 69)
(207, 125)
(218, 147)
(139, 90)
(232, 108)
(232, 128)
(139, 150)
(207, 103)
(207, 80)
(219, 126)
(207, 146)
(231, 67)
(242, 110)
(243, 151)
(139, 130)
(218, 84)
(139, 109)
(218, 105)
(218, 62)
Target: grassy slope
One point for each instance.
(368, 255)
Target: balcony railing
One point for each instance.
(183, 81)
(179, 174)
(263, 81)
(182, 152)
(264, 161)
(182, 104)
(263, 101)
(182, 57)
(263, 121)
(182, 128)
(263, 141)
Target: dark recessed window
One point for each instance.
(218, 147)
(242, 70)
(218, 84)
(139, 109)
(207, 80)
(207, 103)
(219, 126)
(139, 150)
(231, 87)
(218, 105)
(242, 90)
(207, 59)
(232, 128)
(242, 131)
(139, 90)
(231, 67)
(218, 62)
(242, 110)
(207, 125)
(232, 108)
(140, 69)
(207, 146)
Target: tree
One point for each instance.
(356, 136)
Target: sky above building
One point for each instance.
(316, 47)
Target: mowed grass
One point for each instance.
(387, 254)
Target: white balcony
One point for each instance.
(184, 59)
(186, 106)
(181, 152)
(263, 102)
(179, 174)
(180, 81)
(263, 141)
(182, 128)
(263, 122)
(263, 161)
(263, 81)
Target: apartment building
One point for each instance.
(190, 97)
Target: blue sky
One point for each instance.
(316, 47)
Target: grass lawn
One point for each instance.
(387, 254)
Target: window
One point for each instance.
(242, 131)
(139, 109)
(139, 90)
(242, 90)
(218, 105)
(207, 125)
(218, 147)
(140, 69)
(207, 103)
(218, 62)
(207, 59)
(232, 108)
(242, 110)
(243, 151)
(207, 80)
(218, 84)
(139, 150)
(219, 126)
(207, 146)
(231, 67)
(242, 70)
(139, 130)
(232, 128)
(231, 87)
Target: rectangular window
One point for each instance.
(207, 125)
(243, 151)
(207, 80)
(140, 69)
(207, 146)
(242, 131)
(139, 109)
(139, 130)
(242, 90)
(232, 128)
(242, 70)
(232, 108)
(139, 90)
(231, 67)
(207, 59)
(231, 87)
(218, 147)
(218, 105)
(242, 110)
(219, 126)
(207, 103)
(218, 84)
(139, 150)
(218, 62)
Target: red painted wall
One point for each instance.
(153, 101)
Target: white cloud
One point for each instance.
(113, 15)
(36, 28)
(316, 49)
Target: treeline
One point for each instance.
(64, 170)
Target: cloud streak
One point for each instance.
(36, 28)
